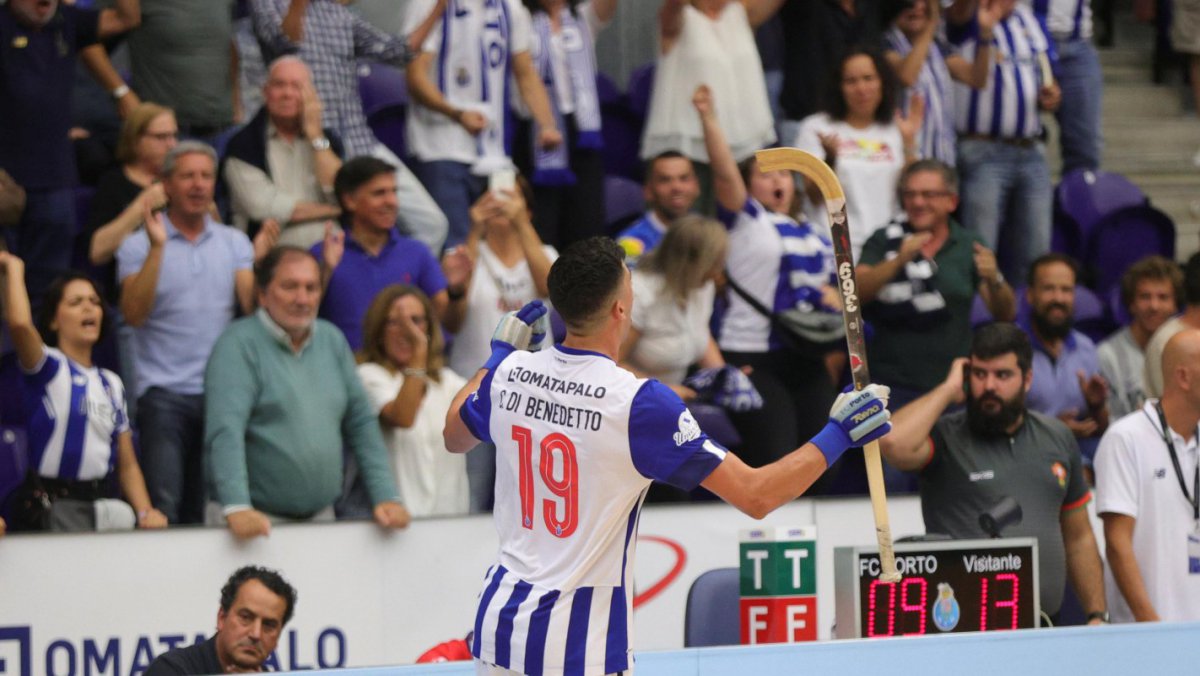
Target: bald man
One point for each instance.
(1148, 494)
(281, 165)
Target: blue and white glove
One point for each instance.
(856, 418)
(519, 331)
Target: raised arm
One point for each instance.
(17, 314)
(108, 237)
(758, 492)
(670, 24)
(531, 244)
(908, 67)
(96, 60)
(975, 73)
(293, 21)
(761, 11)
(996, 293)
(728, 185)
(123, 16)
(271, 31)
(139, 289)
(908, 448)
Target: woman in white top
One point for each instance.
(673, 290)
(865, 139)
(569, 179)
(709, 42)
(78, 429)
(403, 372)
(510, 268)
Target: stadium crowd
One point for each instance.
(261, 315)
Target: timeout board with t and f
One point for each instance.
(945, 586)
(777, 573)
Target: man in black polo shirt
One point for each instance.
(256, 603)
(39, 42)
(997, 448)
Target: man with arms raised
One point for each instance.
(996, 448)
(579, 441)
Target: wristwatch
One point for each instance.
(1101, 615)
(119, 92)
(320, 143)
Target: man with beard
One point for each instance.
(670, 190)
(256, 603)
(1066, 371)
(970, 459)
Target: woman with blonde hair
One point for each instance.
(673, 291)
(402, 368)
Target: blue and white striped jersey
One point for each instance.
(578, 440)
(76, 414)
(1008, 106)
(781, 263)
(1064, 19)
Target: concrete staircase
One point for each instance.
(1147, 135)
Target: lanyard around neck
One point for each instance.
(1194, 497)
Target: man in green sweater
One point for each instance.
(281, 401)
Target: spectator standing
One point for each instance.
(1190, 319)
(1077, 71)
(1011, 451)
(916, 55)
(281, 165)
(670, 190)
(1006, 182)
(1066, 371)
(673, 293)
(403, 371)
(79, 431)
(918, 278)
(184, 57)
(183, 277)
(568, 181)
(774, 265)
(1148, 530)
(864, 139)
(459, 82)
(1151, 290)
(256, 604)
(289, 402)
(331, 39)
(709, 42)
(358, 265)
(41, 40)
(511, 265)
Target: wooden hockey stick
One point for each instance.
(793, 159)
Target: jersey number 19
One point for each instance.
(566, 488)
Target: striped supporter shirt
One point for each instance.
(1008, 106)
(578, 441)
(76, 415)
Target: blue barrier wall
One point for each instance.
(1159, 649)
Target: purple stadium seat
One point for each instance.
(623, 201)
(381, 87)
(1084, 197)
(1124, 237)
(388, 125)
(641, 82)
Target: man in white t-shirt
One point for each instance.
(559, 599)
(459, 86)
(1147, 485)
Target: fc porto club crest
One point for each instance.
(945, 608)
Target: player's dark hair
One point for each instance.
(889, 87)
(52, 298)
(584, 279)
(270, 579)
(264, 270)
(1151, 268)
(1191, 280)
(996, 339)
(358, 172)
(1049, 259)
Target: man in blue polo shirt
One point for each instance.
(670, 190)
(1066, 370)
(39, 43)
(1005, 177)
(372, 255)
(183, 277)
